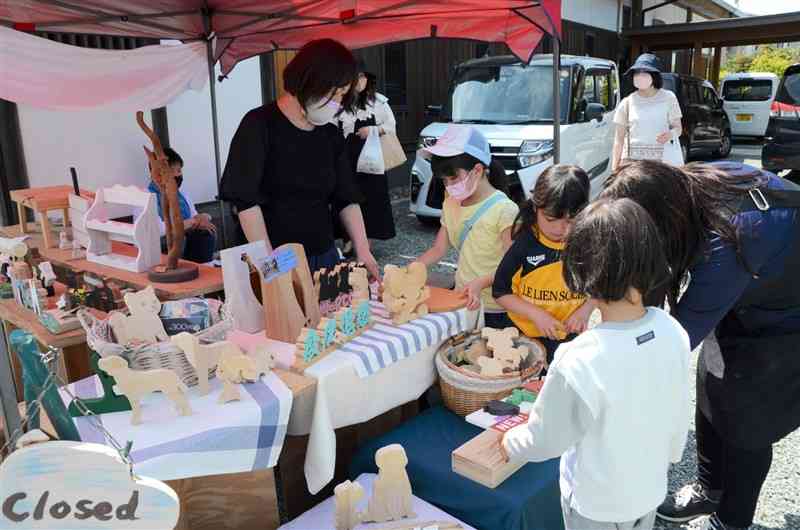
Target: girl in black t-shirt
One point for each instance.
(288, 168)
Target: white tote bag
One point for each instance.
(370, 160)
(673, 154)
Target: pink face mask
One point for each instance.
(463, 189)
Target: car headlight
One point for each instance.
(426, 141)
(534, 151)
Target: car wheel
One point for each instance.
(725, 145)
(428, 220)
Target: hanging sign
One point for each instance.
(80, 486)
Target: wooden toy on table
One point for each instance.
(203, 357)
(309, 345)
(490, 366)
(143, 323)
(358, 279)
(405, 293)
(334, 289)
(481, 460)
(347, 494)
(391, 494)
(43, 200)
(235, 369)
(163, 176)
(143, 233)
(136, 384)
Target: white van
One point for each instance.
(747, 98)
(512, 105)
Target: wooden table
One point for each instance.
(42, 200)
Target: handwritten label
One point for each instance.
(71, 485)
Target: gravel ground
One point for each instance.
(779, 505)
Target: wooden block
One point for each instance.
(481, 460)
(444, 300)
(347, 494)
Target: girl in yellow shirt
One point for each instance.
(529, 282)
(476, 215)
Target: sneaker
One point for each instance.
(711, 522)
(690, 502)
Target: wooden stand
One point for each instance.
(185, 272)
(481, 460)
(43, 200)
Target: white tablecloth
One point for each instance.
(322, 516)
(234, 437)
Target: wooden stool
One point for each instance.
(42, 200)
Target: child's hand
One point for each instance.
(547, 324)
(579, 320)
(473, 293)
(501, 448)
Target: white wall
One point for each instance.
(190, 128)
(597, 13)
(668, 14)
(106, 147)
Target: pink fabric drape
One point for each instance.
(48, 74)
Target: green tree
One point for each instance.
(774, 60)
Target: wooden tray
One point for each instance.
(444, 300)
(480, 460)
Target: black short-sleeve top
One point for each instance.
(297, 177)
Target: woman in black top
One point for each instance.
(288, 167)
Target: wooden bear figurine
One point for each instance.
(405, 293)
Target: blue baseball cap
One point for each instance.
(460, 139)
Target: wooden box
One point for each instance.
(480, 460)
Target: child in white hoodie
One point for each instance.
(615, 405)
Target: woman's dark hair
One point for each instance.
(689, 205)
(319, 67)
(613, 246)
(447, 167)
(658, 80)
(561, 191)
(368, 95)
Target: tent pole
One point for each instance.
(556, 100)
(212, 84)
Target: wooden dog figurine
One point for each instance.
(405, 293)
(234, 369)
(391, 495)
(134, 385)
(359, 281)
(143, 324)
(347, 494)
(204, 357)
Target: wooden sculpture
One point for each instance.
(359, 281)
(134, 385)
(405, 292)
(143, 324)
(203, 357)
(347, 494)
(391, 494)
(235, 369)
(161, 174)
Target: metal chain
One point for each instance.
(49, 358)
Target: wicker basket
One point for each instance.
(465, 391)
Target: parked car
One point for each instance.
(782, 141)
(747, 98)
(511, 103)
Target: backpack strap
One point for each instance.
(763, 199)
(472, 221)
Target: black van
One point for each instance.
(705, 123)
(782, 140)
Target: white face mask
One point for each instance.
(642, 81)
(321, 111)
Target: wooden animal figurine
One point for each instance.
(309, 344)
(511, 357)
(134, 385)
(327, 329)
(347, 323)
(203, 357)
(391, 495)
(359, 281)
(405, 292)
(363, 312)
(490, 367)
(500, 338)
(143, 323)
(347, 494)
(234, 369)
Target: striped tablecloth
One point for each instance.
(217, 438)
(385, 344)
